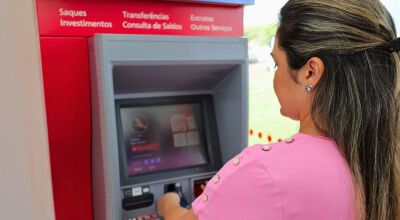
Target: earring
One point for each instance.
(309, 87)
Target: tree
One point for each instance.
(261, 34)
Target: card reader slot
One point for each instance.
(138, 202)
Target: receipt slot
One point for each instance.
(166, 111)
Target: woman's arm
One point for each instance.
(168, 206)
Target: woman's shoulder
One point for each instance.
(307, 167)
(298, 147)
(299, 157)
(265, 179)
(243, 186)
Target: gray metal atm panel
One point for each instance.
(171, 48)
(231, 106)
(110, 51)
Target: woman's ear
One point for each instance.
(312, 72)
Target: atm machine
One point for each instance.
(168, 112)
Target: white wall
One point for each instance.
(25, 178)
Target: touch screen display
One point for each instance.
(163, 137)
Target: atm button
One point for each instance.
(137, 191)
(146, 189)
(127, 193)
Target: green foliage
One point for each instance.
(261, 34)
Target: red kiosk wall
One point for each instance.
(67, 94)
(66, 77)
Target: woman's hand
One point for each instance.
(203, 186)
(168, 206)
(167, 202)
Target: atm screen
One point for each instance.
(163, 137)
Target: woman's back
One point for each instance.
(303, 179)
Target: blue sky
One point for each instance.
(266, 11)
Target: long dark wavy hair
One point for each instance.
(357, 99)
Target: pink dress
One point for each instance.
(304, 178)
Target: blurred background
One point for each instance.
(266, 124)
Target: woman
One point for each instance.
(338, 73)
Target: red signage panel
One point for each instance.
(84, 18)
